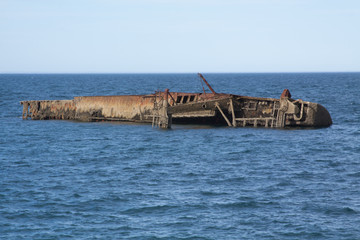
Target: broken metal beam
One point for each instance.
(222, 113)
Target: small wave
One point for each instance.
(340, 211)
(247, 150)
(17, 215)
(236, 180)
(239, 205)
(248, 135)
(356, 175)
(152, 165)
(330, 210)
(303, 235)
(149, 209)
(305, 175)
(285, 183)
(211, 193)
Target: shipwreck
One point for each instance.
(163, 108)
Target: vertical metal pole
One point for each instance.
(232, 112)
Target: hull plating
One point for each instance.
(165, 108)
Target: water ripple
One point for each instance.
(72, 180)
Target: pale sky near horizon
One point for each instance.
(156, 36)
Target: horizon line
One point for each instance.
(266, 72)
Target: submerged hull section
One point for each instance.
(117, 108)
(164, 108)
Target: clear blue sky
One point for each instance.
(130, 36)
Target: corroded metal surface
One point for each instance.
(163, 108)
(49, 109)
(125, 108)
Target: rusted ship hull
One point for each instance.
(164, 108)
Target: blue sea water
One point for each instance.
(98, 180)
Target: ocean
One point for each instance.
(110, 180)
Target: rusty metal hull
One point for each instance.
(120, 108)
(164, 108)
